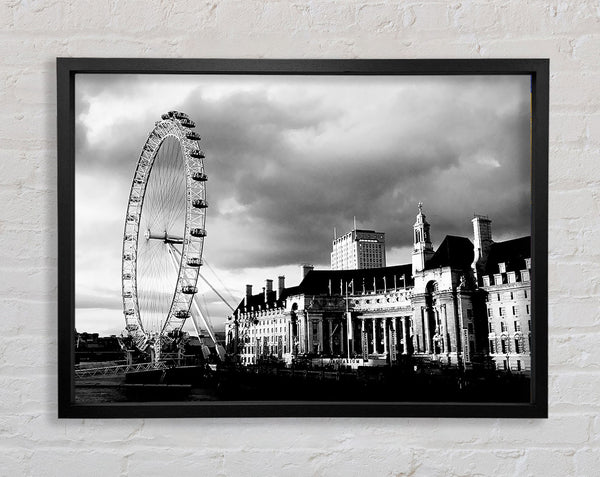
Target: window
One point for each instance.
(514, 310)
(492, 347)
(525, 293)
(504, 346)
(518, 365)
(517, 346)
(498, 296)
(501, 311)
(502, 267)
(489, 312)
(505, 365)
(470, 327)
(502, 326)
(517, 326)
(529, 324)
(486, 281)
(469, 313)
(527, 309)
(490, 327)
(512, 296)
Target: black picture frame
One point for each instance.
(68, 68)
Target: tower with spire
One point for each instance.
(422, 248)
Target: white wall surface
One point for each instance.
(32, 440)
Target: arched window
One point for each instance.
(504, 342)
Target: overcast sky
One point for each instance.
(290, 158)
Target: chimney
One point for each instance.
(248, 294)
(306, 268)
(268, 289)
(482, 240)
(280, 286)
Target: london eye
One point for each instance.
(163, 238)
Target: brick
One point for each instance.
(189, 462)
(89, 462)
(379, 18)
(38, 16)
(496, 462)
(575, 388)
(567, 128)
(573, 313)
(587, 461)
(573, 204)
(562, 346)
(547, 462)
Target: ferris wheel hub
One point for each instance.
(164, 236)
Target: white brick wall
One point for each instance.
(33, 442)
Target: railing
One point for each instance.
(120, 369)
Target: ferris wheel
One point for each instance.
(164, 235)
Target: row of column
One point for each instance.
(434, 324)
(370, 336)
(381, 335)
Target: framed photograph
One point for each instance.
(302, 237)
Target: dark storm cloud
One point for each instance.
(285, 169)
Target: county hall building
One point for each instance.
(466, 303)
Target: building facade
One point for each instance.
(465, 304)
(358, 249)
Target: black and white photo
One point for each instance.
(304, 238)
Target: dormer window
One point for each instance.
(502, 267)
(528, 263)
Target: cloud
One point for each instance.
(289, 158)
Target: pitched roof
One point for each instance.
(511, 252)
(455, 252)
(317, 282)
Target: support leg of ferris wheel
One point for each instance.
(209, 328)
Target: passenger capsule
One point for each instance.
(199, 203)
(199, 176)
(197, 153)
(182, 314)
(194, 262)
(198, 232)
(129, 312)
(189, 289)
(127, 276)
(188, 123)
(193, 136)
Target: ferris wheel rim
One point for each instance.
(179, 127)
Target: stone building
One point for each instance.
(465, 304)
(508, 303)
